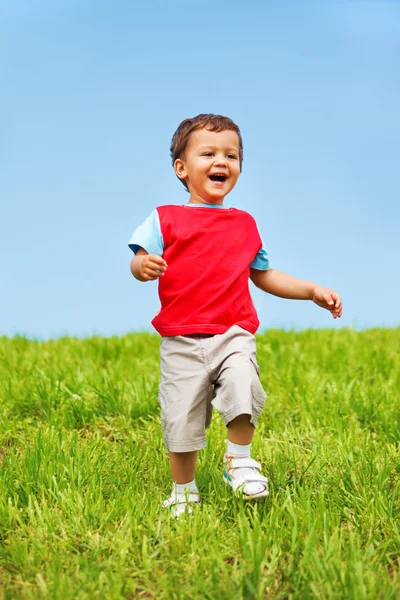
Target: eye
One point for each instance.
(207, 154)
(232, 156)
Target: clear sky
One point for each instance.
(91, 93)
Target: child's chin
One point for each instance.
(216, 198)
(219, 192)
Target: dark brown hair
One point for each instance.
(211, 122)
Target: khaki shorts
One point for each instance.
(199, 372)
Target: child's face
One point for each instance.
(211, 165)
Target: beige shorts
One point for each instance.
(199, 372)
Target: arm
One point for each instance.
(286, 286)
(282, 285)
(147, 267)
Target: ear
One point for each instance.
(180, 168)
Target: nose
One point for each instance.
(220, 159)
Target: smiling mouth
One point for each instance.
(218, 178)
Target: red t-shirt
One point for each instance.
(206, 286)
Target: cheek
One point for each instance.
(236, 175)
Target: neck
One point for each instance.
(198, 200)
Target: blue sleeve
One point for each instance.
(261, 261)
(148, 236)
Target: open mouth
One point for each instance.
(218, 178)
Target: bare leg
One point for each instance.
(183, 466)
(240, 430)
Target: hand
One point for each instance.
(328, 299)
(152, 267)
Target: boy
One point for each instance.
(203, 254)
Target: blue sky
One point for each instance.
(91, 95)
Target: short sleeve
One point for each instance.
(148, 236)
(261, 260)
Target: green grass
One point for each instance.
(83, 471)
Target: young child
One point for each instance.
(202, 255)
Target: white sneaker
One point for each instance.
(179, 504)
(245, 477)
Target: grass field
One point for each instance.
(83, 471)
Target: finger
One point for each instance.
(156, 265)
(337, 299)
(328, 299)
(153, 272)
(158, 260)
(148, 277)
(337, 314)
(151, 269)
